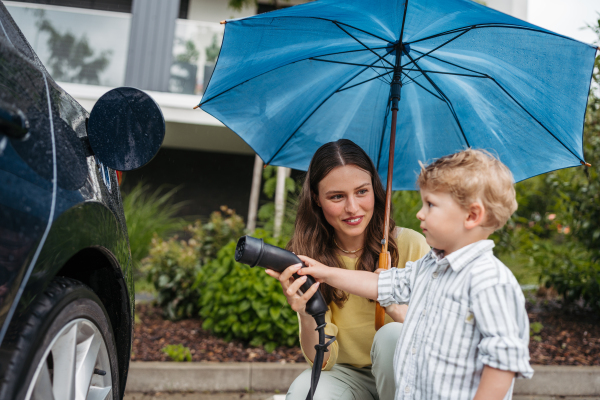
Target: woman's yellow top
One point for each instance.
(353, 325)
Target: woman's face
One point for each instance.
(347, 199)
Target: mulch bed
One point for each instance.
(570, 336)
(152, 333)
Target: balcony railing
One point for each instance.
(195, 50)
(90, 47)
(76, 45)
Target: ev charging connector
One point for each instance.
(253, 251)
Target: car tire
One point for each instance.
(65, 348)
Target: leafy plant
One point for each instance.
(173, 264)
(571, 270)
(148, 214)
(406, 204)
(239, 302)
(71, 59)
(212, 51)
(534, 329)
(190, 53)
(177, 352)
(172, 267)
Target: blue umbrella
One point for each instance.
(451, 73)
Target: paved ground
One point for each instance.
(273, 396)
(200, 396)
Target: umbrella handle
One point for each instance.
(380, 311)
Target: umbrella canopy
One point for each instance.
(291, 80)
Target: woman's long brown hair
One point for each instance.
(313, 236)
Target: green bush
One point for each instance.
(406, 205)
(172, 267)
(571, 269)
(239, 302)
(147, 214)
(177, 352)
(173, 264)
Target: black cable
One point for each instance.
(321, 348)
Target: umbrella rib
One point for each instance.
(445, 73)
(347, 63)
(325, 19)
(350, 51)
(423, 87)
(531, 115)
(365, 46)
(456, 65)
(480, 26)
(360, 30)
(446, 99)
(441, 45)
(451, 31)
(271, 70)
(403, 20)
(368, 80)
(313, 111)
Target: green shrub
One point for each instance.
(534, 329)
(239, 302)
(147, 214)
(177, 352)
(406, 205)
(571, 270)
(172, 267)
(173, 264)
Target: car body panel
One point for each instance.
(58, 203)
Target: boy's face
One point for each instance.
(442, 220)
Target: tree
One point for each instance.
(71, 58)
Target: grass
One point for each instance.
(148, 213)
(518, 264)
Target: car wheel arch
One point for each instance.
(104, 276)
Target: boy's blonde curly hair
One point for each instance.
(472, 175)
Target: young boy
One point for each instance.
(466, 333)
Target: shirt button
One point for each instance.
(424, 312)
(414, 350)
(435, 274)
(407, 389)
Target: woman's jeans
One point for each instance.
(345, 382)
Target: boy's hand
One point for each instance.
(359, 283)
(396, 311)
(314, 269)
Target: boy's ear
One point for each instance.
(475, 216)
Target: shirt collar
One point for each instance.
(463, 256)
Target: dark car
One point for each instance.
(66, 289)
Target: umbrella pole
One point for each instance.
(383, 256)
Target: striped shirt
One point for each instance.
(466, 311)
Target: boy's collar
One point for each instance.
(463, 256)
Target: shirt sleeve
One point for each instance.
(500, 316)
(332, 330)
(393, 286)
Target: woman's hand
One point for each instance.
(396, 311)
(291, 287)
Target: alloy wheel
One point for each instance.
(75, 366)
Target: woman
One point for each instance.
(339, 223)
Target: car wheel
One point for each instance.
(66, 349)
